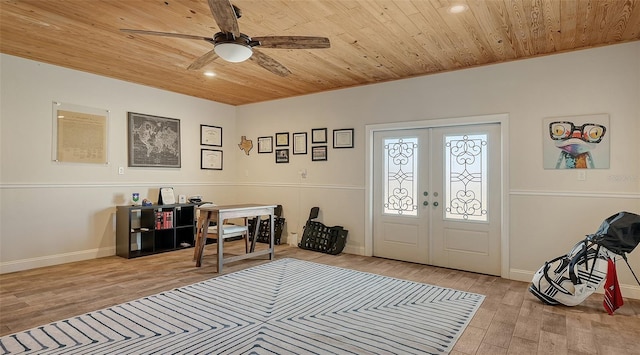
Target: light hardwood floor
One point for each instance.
(510, 320)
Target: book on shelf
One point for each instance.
(168, 219)
(164, 219)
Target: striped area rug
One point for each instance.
(284, 307)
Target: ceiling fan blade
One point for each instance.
(269, 63)
(292, 42)
(225, 16)
(165, 34)
(203, 60)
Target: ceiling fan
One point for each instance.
(233, 46)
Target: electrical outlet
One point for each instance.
(582, 175)
(121, 170)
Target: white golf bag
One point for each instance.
(569, 279)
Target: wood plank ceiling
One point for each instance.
(371, 40)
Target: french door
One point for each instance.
(436, 196)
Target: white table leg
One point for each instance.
(272, 248)
(220, 243)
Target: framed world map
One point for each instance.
(153, 141)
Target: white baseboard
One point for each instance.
(353, 250)
(628, 291)
(521, 275)
(49, 260)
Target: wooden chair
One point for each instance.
(228, 231)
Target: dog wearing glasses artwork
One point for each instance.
(578, 140)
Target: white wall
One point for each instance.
(550, 210)
(59, 212)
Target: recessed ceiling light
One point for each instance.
(209, 73)
(458, 8)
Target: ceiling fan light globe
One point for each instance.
(233, 52)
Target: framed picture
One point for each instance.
(319, 135)
(343, 138)
(282, 139)
(265, 144)
(153, 141)
(562, 135)
(166, 196)
(319, 153)
(211, 135)
(282, 155)
(80, 134)
(210, 159)
(300, 143)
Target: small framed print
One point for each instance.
(265, 144)
(282, 155)
(319, 153)
(282, 139)
(166, 196)
(210, 159)
(343, 138)
(300, 143)
(211, 135)
(319, 135)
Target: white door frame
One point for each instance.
(501, 118)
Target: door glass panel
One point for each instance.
(400, 185)
(466, 177)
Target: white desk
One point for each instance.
(221, 213)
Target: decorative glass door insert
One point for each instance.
(466, 177)
(400, 185)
